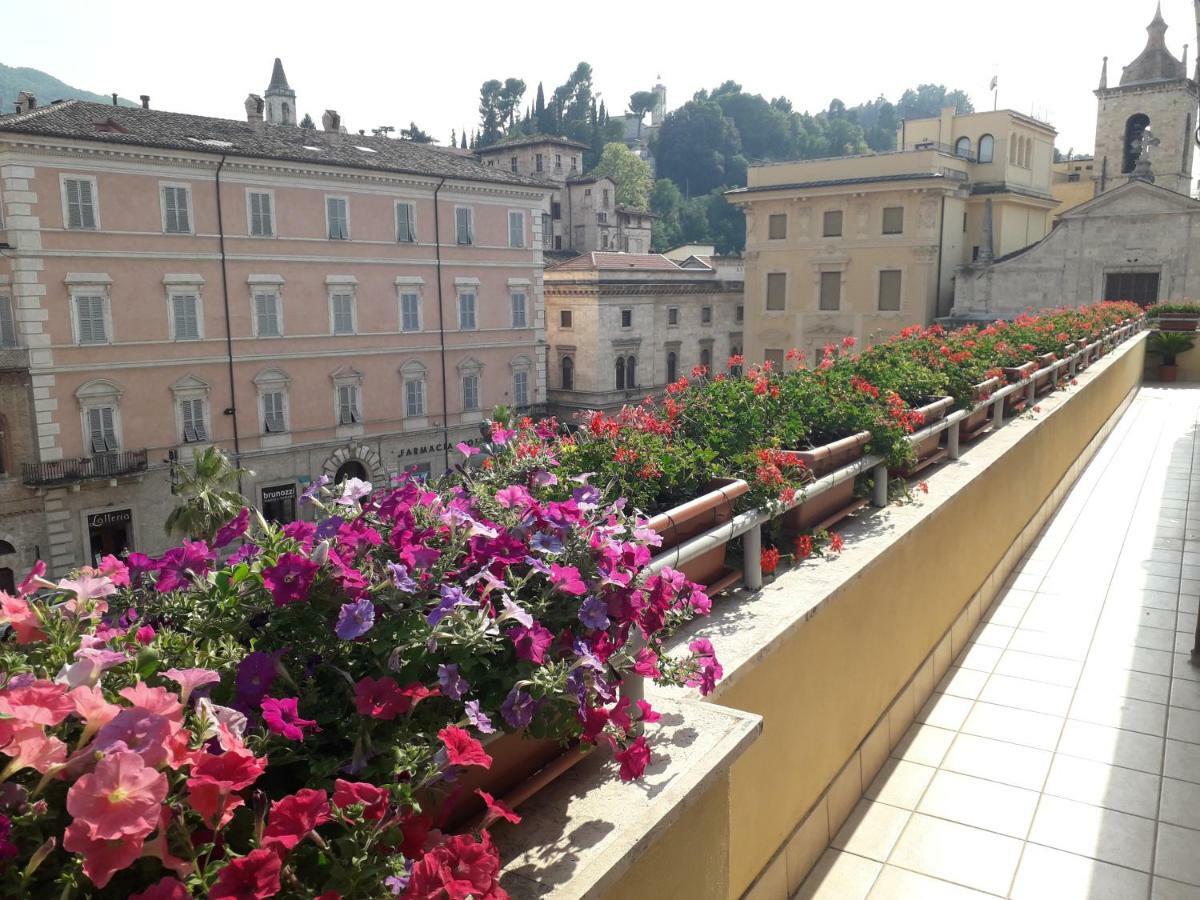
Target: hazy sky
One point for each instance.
(389, 63)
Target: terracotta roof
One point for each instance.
(601, 260)
(135, 126)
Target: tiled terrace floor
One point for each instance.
(1060, 756)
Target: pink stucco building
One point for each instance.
(313, 302)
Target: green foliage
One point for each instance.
(698, 148)
(928, 100)
(1153, 312)
(1169, 344)
(629, 172)
(209, 492)
(307, 122)
(415, 134)
(640, 103)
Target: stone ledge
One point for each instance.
(583, 832)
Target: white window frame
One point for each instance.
(470, 368)
(420, 381)
(329, 221)
(513, 294)
(274, 291)
(191, 209)
(192, 388)
(470, 241)
(98, 394)
(521, 238)
(348, 376)
(182, 290)
(92, 290)
(412, 221)
(270, 194)
(473, 292)
(411, 291)
(66, 213)
(343, 290)
(522, 365)
(274, 381)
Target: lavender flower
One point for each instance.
(452, 597)
(452, 683)
(355, 619)
(328, 528)
(587, 497)
(517, 708)
(353, 490)
(542, 478)
(593, 613)
(400, 578)
(512, 611)
(310, 492)
(545, 542)
(478, 718)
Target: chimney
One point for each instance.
(114, 98)
(26, 102)
(145, 101)
(331, 121)
(254, 109)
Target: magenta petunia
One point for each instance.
(567, 580)
(233, 529)
(290, 579)
(532, 643)
(282, 716)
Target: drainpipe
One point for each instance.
(237, 444)
(437, 238)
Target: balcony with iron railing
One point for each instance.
(111, 464)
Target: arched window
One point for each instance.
(962, 147)
(620, 373)
(1134, 126)
(1028, 153)
(631, 372)
(568, 373)
(350, 469)
(672, 367)
(987, 148)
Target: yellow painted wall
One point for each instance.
(823, 687)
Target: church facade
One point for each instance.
(1132, 240)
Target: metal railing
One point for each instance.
(748, 525)
(102, 465)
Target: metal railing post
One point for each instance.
(1031, 391)
(752, 565)
(998, 414)
(879, 494)
(952, 440)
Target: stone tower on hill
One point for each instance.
(1156, 92)
(281, 99)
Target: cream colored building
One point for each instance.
(862, 246)
(1073, 182)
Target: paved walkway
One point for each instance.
(1060, 756)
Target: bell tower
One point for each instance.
(1156, 93)
(281, 99)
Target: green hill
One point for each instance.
(44, 87)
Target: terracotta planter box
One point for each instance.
(1044, 384)
(1168, 373)
(1015, 402)
(980, 421)
(1178, 322)
(521, 766)
(684, 522)
(930, 451)
(829, 508)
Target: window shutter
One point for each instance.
(90, 313)
(273, 412)
(518, 311)
(187, 325)
(267, 313)
(831, 290)
(516, 229)
(8, 330)
(74, 207)
(96, 430)
(470, 392)
(404, 223)
(343, 314)
(172, 209)
(87, 205)
(410, 312)
(776, 291)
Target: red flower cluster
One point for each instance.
(769, 560)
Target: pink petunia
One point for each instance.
(30, 748)
(40, 703)
(102, 857)
(531, 643)
(633, 759)
(23, 618)
(190, 679)
(119, 799)
(282, 717)
(157, 700)
(567, 580)
(496, 810)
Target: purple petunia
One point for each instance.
(542, 478)
(353, 490)
(328, 528)
(545, 542)
(452, 598)
(179, 565)
(255, 675)
(355, 619)
(313, 489)
(512, 611)
(593, 613)
(517, 708)
(587, 497)
(478, 718)
(453, 685)
(400, 578)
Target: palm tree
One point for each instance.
(209, 492)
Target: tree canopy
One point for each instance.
(629, 172)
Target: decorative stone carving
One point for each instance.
(360, 453)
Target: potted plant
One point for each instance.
(1175, 316)
(1169, 345)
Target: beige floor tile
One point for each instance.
(1024, 767)
(958, 853)
(1113, 746)
(983, 804)
(1099, 678)
(960, 682)
(1119, 712)
(1180, 804)
(1018, 726)
(1103, 834)
(900, 884)
(900, 783)
(1182, 761)
(1064, 672)
(945, 711)
(839, 876)
(1175, 855)
(924, 744)
(1098, 784)
(980, 658)
(1045, 873)
(872, 830)
(1185, 693)
(1071, 642)
(993, 635)
(1035, 696)
(1156, 662)
(1184, 725)
(1165, 889)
